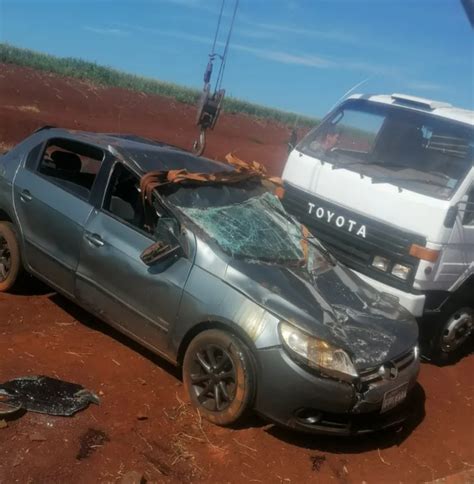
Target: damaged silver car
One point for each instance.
(199, 262)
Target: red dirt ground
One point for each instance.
(144, 423)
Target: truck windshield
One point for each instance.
(249, 222)
(410, 149)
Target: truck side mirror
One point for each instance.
(451, 216)
(293, 140)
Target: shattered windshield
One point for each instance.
(421, 152)
(249, 222)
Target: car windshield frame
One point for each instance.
(404, 173)
(240, 197)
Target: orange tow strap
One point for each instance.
(243, 171)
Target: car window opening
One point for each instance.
(71, 165)
(124, 200)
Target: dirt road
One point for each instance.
(144, 423)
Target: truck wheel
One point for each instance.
(454, 330)
(10, 257)
(219, 376)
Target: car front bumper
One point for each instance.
(293, 397)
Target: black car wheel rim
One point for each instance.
(213, 378)
(5, 259)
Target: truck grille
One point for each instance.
(354, 239)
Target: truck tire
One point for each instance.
(11, 266)
(454, 330)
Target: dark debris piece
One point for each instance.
(90, 441)
(46, 395)
(317, 462)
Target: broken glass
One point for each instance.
(258, 229)
(46, 395)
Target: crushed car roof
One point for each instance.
(145, 154)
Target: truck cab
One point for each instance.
(386, 182)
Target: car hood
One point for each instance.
(334, 305)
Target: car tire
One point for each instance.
(11, 266)
(219, 376)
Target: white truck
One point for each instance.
(386, 182)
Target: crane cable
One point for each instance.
(220, 74)
(210, 104)
(213, 52)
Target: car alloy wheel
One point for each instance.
(5, 259)
(213, 378)
(219, 376)
(11, 267)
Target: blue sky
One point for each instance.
(297, 55)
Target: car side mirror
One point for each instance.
(159, 251)
(167, 244)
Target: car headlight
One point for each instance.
(401, 271)
(381, 263)
(317, 353)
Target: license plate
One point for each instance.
(394, 397)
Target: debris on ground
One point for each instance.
(90, 441)
(317, 461)
(133, 477)
(37, 437)
(45, 395)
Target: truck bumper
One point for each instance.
(415, 303)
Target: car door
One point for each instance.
(52, 201)
(112, 280)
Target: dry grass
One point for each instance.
(28, 109)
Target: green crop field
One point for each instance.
(107, 76)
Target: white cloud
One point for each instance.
(424, 86)
(334, 35)
(255, 34)
(285, 57)
(273, 55)
(209, 6)
(105, 31)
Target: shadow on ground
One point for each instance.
(337, 445)
(360, 443)
(89, 320)
(31, 286)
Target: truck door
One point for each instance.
(467, 218)
(458, 256)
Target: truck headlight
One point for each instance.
(317, 353)
(401, 271)
(381, 263)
